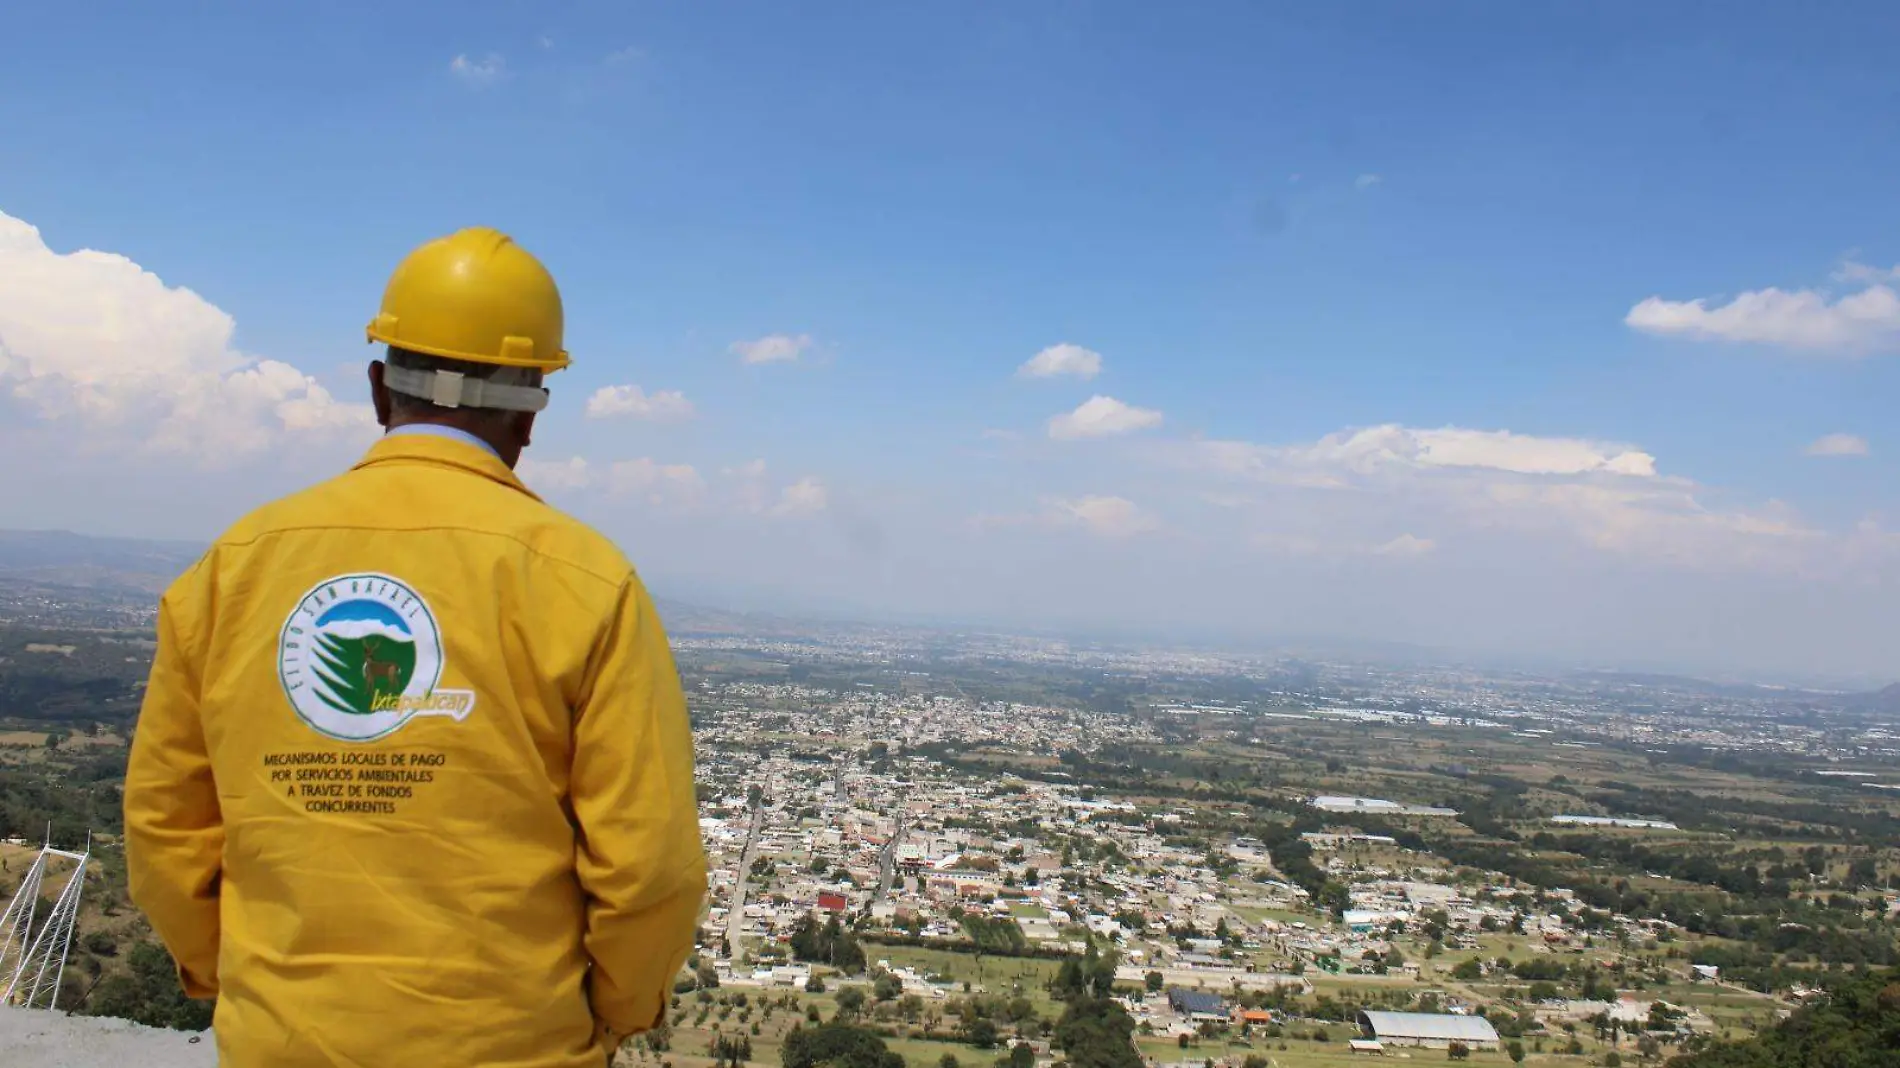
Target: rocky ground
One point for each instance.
(41, 1039)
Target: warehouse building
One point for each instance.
(1198, 1006)
(1432, 1030)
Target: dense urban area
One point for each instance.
(933, 849)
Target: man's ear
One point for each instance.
(378, 393)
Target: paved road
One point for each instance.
(887, 862)
(735, 920)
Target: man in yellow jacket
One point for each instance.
(413, 780)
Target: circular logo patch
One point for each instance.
(360, 656)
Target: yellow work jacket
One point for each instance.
(413, 782)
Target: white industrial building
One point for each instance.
(1432, 1030)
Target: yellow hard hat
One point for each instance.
(474, 295)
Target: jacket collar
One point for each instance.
(442, 452)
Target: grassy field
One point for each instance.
(994, 974)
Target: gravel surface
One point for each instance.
(42, 1039)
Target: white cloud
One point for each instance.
(569, 474)
(1110, 517)
(1332, 493)
(624, 55)
(483, 71)
(1062, 359)
(1101, 416)
(1366, 450)
(804, 497)
(773, 348)
(545, 41)
(659, 483)
(664, 406)
(1366, 181)
(1102, 515)
(1805, 320)
(1838, 445)
(1861, 272)
(93, 338)
(678, 487)
(1406, 545)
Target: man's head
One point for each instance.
(473, 323)
(411, 398)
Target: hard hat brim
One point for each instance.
(560, 360)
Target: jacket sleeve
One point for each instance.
(174, 830)
(640, 860)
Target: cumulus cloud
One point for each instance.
(1838, 445)
(772, 348)
(93, 338)
(658, 483)
(569, 474)
(1101, 416)
(1062, 359)
(1405, 545)
(803, 497)
(485, 70)
(1111, 517)
(680, 487)
(1366, 181)
(1366, 450)
(1105, 516)
(1805, 320)
(664, 406)
(1851, 271)
(1331, 494)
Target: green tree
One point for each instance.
(948, 1060)
(979, 1031)
(838, 1045)
(1856, 1025)
(149, 993)
(1097, 1033)
(1153, 981)
(850, 1001)
(1515, 1050)
(886, 986)
(731, 1051)
(1458, 1051)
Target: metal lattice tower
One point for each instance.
(33, 959)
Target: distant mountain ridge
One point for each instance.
(1885, 700)
(131, 569)
(80, 561)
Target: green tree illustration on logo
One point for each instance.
(357, 671)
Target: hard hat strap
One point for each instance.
(453, 389)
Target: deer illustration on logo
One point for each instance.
(387, 670)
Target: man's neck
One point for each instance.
(451, 432)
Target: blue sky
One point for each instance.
(1276, 227)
